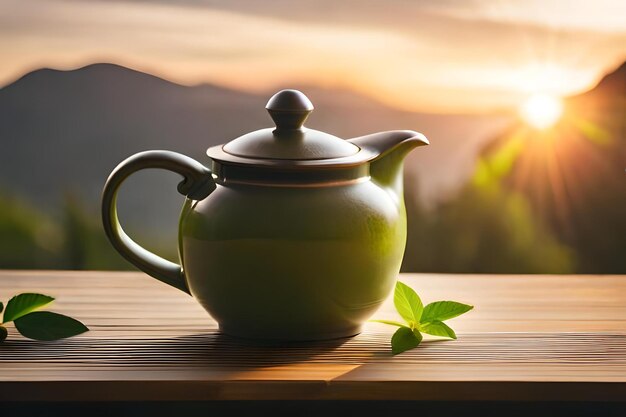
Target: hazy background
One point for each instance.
(524, 103)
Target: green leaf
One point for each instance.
(45, 325)
(1, 306)
(407, 303)
(444, 310)
(22, 304)
(390, 322)
(438, 328)
(3, 333)
(404, 339)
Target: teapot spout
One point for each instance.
(391, 148)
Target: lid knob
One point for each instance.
(289, 109)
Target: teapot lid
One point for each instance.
(290, 140)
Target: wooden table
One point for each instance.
(531, 339)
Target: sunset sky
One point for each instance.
(433, 56)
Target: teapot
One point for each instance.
(292, 234)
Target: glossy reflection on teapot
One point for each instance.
(291, 234)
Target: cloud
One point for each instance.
(439, 56)
(599, 15)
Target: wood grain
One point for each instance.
(547, 338)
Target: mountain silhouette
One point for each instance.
(64, 131)
(573, 175)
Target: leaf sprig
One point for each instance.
(420, 319)
(38, 325)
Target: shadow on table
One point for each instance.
(212, 349)
(207, 349)
(217, 349)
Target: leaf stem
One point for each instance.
(390, 322)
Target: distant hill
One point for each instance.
(574, 175)
(64, 131)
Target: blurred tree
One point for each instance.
(32, 240)
(482, 230)
(85, 246)
(28, 238)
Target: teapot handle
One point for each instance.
(197, 184)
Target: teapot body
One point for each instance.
(292, 262)
(293, 234)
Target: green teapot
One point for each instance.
(292, 234)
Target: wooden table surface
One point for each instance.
(530, 338)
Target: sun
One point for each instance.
(542, 111)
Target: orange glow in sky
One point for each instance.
(420, 56)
